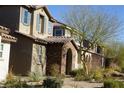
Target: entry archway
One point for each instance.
(68, 61)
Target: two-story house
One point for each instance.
(5, 42)
(36, 48)
(29, 24)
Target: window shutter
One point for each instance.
(37, 23)
(45, 23)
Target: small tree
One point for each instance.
(87, 23)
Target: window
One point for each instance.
(99, 50)
(26, 17)
(58, 32)
(86, 43)
(1, 50)
(39, 52)
(40, 23)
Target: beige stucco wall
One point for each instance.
(22, 27)
(67, 33)
(27, 29)
(35, 33)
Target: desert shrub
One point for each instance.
(111, 83)
(122, 69)
(35, 76)
(79, 77)
(10, 75)
(54, 70)
(15, 83)
(117, 68)
(77, 72)
(98, 75)
(84, 77)
(61, 76)
(73, 73)
(51, 82)
(108, 72)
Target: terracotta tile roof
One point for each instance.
(58, 39)
(6, 37)
(38, 40)
(4, 29)
(4, 33)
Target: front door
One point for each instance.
(68, 62)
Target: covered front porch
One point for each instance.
(61, 51)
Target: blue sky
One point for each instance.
(58, 11)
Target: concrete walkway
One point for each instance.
(70, 83)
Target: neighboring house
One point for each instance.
(94, 56)
(5, 43)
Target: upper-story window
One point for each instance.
(26, 17)
(41, 24)
(99, 49)
(58, 31)
(86, 43)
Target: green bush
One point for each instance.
(98, 75)
(77, 71)
(122, 69)
(108, 72)
(54, 70)
(35, 77)
(15, 83)
(79, 77)
(111, 83)
(51, 82)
